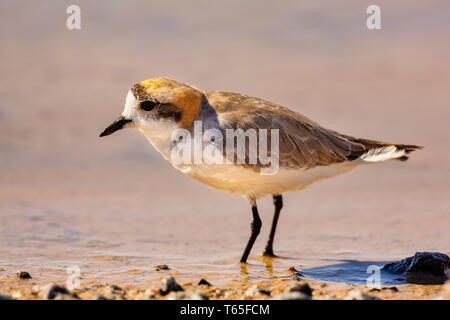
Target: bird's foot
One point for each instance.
(268, 252)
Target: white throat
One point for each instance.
(159, 133)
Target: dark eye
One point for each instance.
(147, 105)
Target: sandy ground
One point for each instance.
(114, 208)
(283, 288)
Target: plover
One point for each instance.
(305, 151)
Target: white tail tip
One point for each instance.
(383, 154)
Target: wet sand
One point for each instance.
(115, 209)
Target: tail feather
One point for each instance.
(384, 154)
(382, 151)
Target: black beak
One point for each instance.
(117, 125)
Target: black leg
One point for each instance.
(278, 202)
(255, 228)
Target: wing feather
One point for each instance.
(303, 143)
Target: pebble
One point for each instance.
(115, 287)
(204, 282)
(112, 291)
(326, 297)
(16, 295)
(434, 263)
(152, 292)
(395, 289)
(357, 294)
(23, 275)
(292, 295)
(253, 290)
(35, 290)
(161, 267)
(168, 284)
(302, 287)
(52, 291)
(66, 297)
(4, 297)
(198, 296)
(177, 296)
(99, 297)
(184, 296)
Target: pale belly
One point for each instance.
(253, 185)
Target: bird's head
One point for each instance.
(157, 103)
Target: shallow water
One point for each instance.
(354, 272)
(114, 208)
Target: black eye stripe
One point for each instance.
(147, 105)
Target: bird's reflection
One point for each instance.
(244, 272)
(268, 262)
(268, 268)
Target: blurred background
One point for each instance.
(114, 207)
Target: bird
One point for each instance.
(169, 112)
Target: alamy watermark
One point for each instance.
(74, 277)
(73, 21)
(373, 22)
(374, 280)
(211, 147)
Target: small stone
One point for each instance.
(326, 297)
(356, 294)
(152, 292)
(66, 297)
(177, 296)
(219, 293)
(5, 297)
(52, 291)
(16, 295)
(432, 263)
(115, 287)
(302, 287)
(198, 296)
(112, 291)
(204, 282)
(161, 267)
(99, 297)
(168, 284)
(35, 290)
(253, 290)
(23, 275)
(292, 295)
(395, 289)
